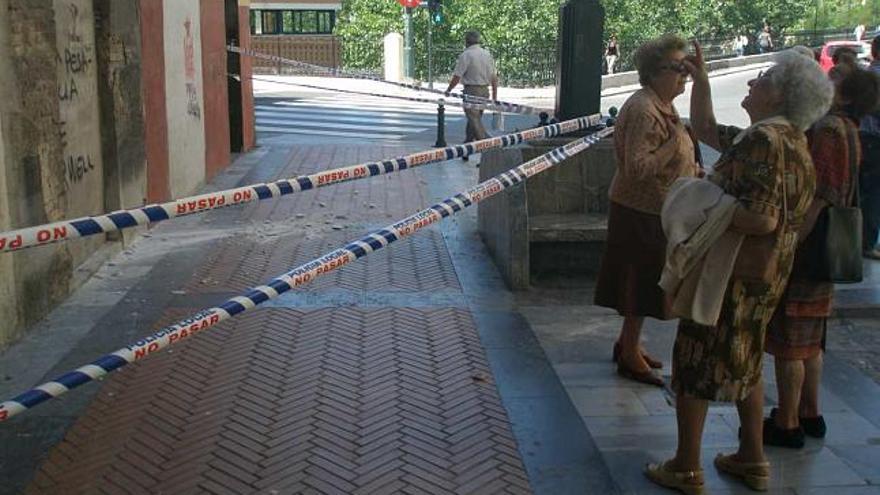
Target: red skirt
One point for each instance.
(635, 253)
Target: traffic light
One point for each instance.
(435, 7)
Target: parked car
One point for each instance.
(862, 49)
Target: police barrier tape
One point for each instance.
(297, 277)
(495, 104)
(479, 106)
(65, 230)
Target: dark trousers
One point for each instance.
(869, 190)
(475, 130)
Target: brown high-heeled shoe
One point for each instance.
(646, 376)
(615, 356)
(687, 482)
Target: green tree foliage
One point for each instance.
(825, 14)
(522, 33)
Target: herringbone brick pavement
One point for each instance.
(283, 234)
(334, 400)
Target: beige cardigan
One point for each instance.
(701, 251)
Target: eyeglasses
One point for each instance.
(678, 67)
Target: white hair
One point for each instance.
(806, 90)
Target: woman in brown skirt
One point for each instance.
(796, 335)
(653, 148)
(767, 167)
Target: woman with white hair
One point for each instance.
(768, 168)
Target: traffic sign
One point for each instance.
(409, 3)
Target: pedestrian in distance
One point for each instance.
(475, 69)
(740, 42)
(869, 180)
(611, 53)
(859, 32)
(796, 335)
(653, 149)
(768, 168)
(765, 40)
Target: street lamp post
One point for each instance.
(408, 64)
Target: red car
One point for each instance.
(862, 49)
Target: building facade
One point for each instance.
(300, 30)
(108, 105)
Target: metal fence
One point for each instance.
(323, 50)
(517, 66)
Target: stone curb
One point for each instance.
(632, 77)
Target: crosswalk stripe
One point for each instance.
(317, 132)
(337, 125)
(346, 105)
(334, 111)
(367, 119)
(354, 118)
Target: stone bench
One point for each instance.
(555, 224)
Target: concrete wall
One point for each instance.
(36, 188)
(632, 77)
(8, 295)
(118, 43)
(79, 124)
(184, 102)
(104, 104)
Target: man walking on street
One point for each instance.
(475, 69)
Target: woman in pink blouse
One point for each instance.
(653, 148)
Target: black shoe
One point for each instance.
(814, 427)
(780, 437)
(465, 158)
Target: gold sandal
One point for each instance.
(687, 482)
(756, 475)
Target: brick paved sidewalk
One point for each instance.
(372, 380)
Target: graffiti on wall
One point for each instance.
(77, 91)
(189, 62)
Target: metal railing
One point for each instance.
(536, 66)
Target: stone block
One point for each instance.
(555, 223)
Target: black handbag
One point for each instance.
(834, 246)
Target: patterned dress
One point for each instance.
(723, 363)
(797, 330)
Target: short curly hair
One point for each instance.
(806, 90)
(650, 56)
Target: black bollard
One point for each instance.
(542, 119)
(441, 125)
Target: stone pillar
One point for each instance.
(579, 66)
(394, 57)
(33, 188)
(118, 41)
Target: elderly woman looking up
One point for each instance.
(653, 149)
(767, 167)
(796, 335)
